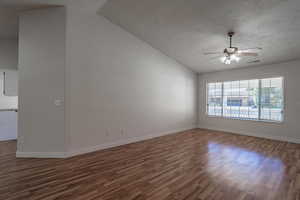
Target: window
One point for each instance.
(258, 99)
(215, 99)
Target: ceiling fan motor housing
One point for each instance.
(231, 50)
(230, 33)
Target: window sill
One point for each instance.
(246, 119)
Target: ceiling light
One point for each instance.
(223, 59)
(235, 58)
(227, 61)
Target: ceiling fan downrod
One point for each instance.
(230, 34)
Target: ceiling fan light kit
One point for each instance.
(233, 54)
(228, 59)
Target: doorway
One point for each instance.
(8, 105)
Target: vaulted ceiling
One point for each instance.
(8, 23)
(184, 30)
(9, 10)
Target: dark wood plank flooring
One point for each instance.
(196, 164)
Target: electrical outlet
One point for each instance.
(107, 132)
(122, 132)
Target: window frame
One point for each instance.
(259, 107)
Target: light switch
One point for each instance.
(57, 102)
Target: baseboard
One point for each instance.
(7, 139)
(95, 148)
(123, 142)
(266, 136)
(141, 138)
(41, 154)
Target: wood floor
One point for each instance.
(196, 164)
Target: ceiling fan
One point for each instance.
(233, 54)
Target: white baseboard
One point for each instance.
(7, 139)
(123, 142)
(259, 135)
(41, 154)
(141, 138)
(95, 148)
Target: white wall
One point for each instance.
(289, 130)
(8, 125)
(41, 83)
(8, 54)
(119, 89)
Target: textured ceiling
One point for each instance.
(8, 23)
(9, 10)
(184, 29)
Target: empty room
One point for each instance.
(149, 100)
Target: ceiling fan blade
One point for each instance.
(212, 53)
(254, 61)
(215, 57)
(251, 49)
(247, 54)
